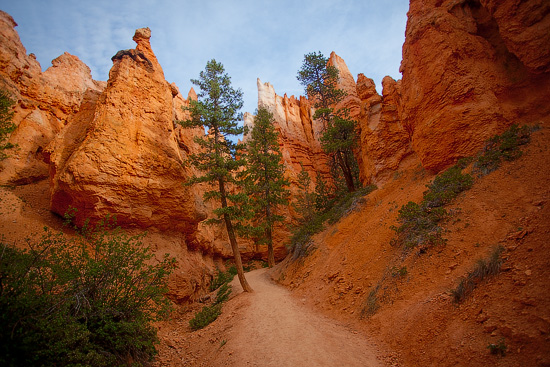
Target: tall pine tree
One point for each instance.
(264, 179)
(339, 136)
(217, 110)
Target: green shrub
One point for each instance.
(502, 147)
(6, 124)
(419, 223)
(371, 304)
(498, 348)
(84, 300)
(483, 269)
(446, 186)
(223, 294)
(222, 278)
(205, 316)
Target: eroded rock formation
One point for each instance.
(126, 159)
(45, 101)
(470, 69)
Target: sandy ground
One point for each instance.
(269, 327)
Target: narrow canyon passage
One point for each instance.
(274, 329)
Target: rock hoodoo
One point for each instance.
(128, 157)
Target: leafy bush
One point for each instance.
(223, 278)
(446, 187)
(210, 313)
(504, 146)
(205, 316)
(483, 269)
(498, 348)
(84, 300)
(419, 223)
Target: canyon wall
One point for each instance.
(470, 70)
(44, 102)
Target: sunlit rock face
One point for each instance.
(122, 155)
(44, 102)
(470, 69)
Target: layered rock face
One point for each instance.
(45, 101)
(122, 155)
(298, 134)
(470, 69)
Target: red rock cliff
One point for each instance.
(470, 69)
(45, 101)
(123, 155)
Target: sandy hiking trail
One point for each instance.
(274, 329)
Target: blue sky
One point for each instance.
(251, 38)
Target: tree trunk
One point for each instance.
(270, 255)
(233, 241)
(346, 170)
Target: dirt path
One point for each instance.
(274, 329)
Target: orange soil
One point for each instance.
(417, 323)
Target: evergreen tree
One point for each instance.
(305, 204)
(339, 136)
(264, 179)
(217, 110)
(6, 126)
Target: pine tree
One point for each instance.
(6, 125)
(217, 110)
(305, 204)
(339, 136)
(266, 185)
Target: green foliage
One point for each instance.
(502, 147)
(204, 317)
(6, 125)
(498, 348)
(336, 208)
(216, 110)
(83, 300)
(372, 303)
(305, 200)
(399, 272)
(320, 80)
(339, 135)
(446, 187)
(483, 269)
(264, 181)
(209, 314)
(222, 278)
(419, 223)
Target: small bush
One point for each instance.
(371, 304)
(205, 316)
(502, 147)
(222, 278)
(483, 269)
(419, 223)
(498, 348)
(446, 187)
(223, 294)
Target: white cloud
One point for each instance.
(252, 38)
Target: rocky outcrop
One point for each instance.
(45, 101)
(384, 142)
(123, 155)
(298, 134)
(467, 74)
